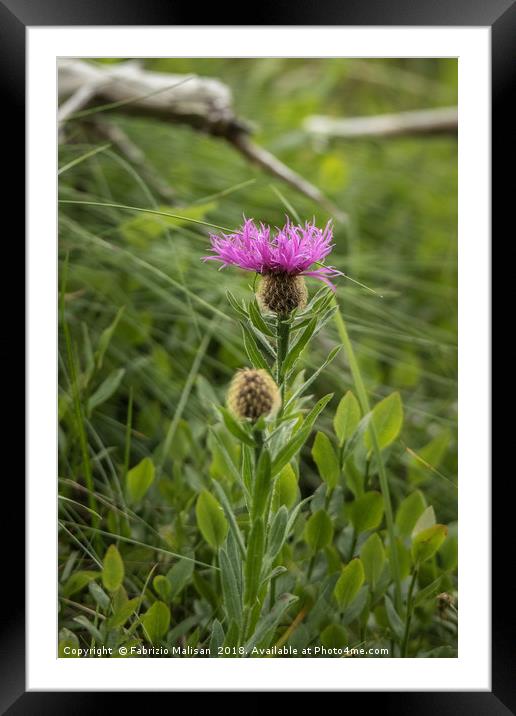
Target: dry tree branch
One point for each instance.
(428, 121)
(203, 103)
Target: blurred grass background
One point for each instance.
(173, 349)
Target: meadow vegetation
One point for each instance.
(332, 525)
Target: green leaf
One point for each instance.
(119, 598)
(156, 621)
(372, 555)
(247, 468)
(299, 438)
(347, 417)
(112, 569)
(298, 346)
(235, 428)
(354, 478)
(276, 572)
(253, 562)
(217, 639)
(262, 483)
(366, 512)
(318, 531)
(425, 520)
(228, 511)
(268, 623)
(257, 320)
(78, 581)
(206, 591)
(285, 488)
(210, 519)
(448, 551)
(179, 575)
(263, 341)
(426, 543)
(91, 628)
(253, 350)
(182, 628)
(431, 590)
(432, 454)
(387, 418)
(278, 532)
(334, 637)
(394, 620)
(105, 338)
(106, 389)
(162, 587)
(99, 595)
(232, 635)
(409, 511)
(235, 557)
(404, 560)
(305, 384)
(348, 585)
(139, 479)
(326, 460)
(230, 592)
(237, 307)
(123, 612)
(68, 641)
(356, 608)
(224, 455)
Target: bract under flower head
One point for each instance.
(292, 249)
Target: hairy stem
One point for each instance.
(384, 484)
(282, 336)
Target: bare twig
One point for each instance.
(77, 101)
(427, 121)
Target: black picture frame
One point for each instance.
(500, 16)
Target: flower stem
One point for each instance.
(410, 609)
(282, 337)
(384, 484)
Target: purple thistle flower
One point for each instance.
(291, 250)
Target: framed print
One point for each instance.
(258, 434)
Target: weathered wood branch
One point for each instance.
(428, 121)
(203, 103)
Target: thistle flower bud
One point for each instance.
(281, 292)
(253, 393)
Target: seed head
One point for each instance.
(253, 393)
(281, 293)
